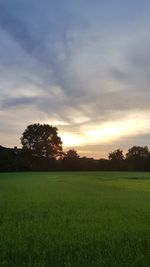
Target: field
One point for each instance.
(82, 219)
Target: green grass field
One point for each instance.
(88, 219)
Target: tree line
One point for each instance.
(42, 150)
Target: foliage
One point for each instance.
(116, 155)
(71, 154)
(42, 151)
(71, 160)
(138, 151)
(138, 158)
(42, 140)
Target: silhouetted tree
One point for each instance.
(71, 160)
(138, 158)
(138, 151)
(42, 140)
(71, 154)
(116, 160)
(116, 155)
(9, 159)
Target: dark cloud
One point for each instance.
(80, 62)
(20, 101)
(119, 75)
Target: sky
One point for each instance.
(80, 65)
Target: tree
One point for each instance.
(42, 140)
(71, 154)
(71, 160)
(138, 158)
(116, 155)
(138, 152)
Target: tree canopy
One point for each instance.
(116, 155)
(72, 154)
(138, 151)
(42, 140)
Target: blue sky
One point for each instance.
(83, 66)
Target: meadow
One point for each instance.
(74, 219)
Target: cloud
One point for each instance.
(80, 62)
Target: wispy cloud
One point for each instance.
(82, 63)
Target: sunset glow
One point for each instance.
(109, 131)
(71, 140)
(83, 68)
